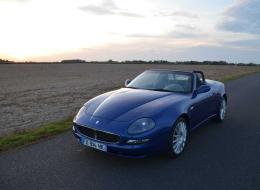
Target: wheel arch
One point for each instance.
(225, 96)
(186, 117)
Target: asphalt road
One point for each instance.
(218, 156)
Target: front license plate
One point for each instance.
(95, 145)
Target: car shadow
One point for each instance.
(194, 148)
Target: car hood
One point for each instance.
(126, 104)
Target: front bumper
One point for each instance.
(156, 143)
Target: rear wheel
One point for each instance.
(178, 138)
(222, 110)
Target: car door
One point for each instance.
(214, 101)
(202, 105)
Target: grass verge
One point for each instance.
(32, 135)
(237, 76)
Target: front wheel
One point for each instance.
(178, 138)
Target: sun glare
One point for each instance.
(35, 29)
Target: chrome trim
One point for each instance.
(205, 120)
(95, 134)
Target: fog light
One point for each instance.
(135, 141)
(73, 128)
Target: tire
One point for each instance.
(222, 110)
(178, 138)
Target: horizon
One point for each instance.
(110, 61)
(183, 30)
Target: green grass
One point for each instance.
(236, 76)
(33, 135)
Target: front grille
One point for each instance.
(98, 135)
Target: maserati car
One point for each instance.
(154, 113)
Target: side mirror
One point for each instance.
(127, 81)
(200, 90)
(203, 89)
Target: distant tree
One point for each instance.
(73, 61)
(110, 61)
(3, 61)
(252, 64)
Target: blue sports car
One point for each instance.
(153, 113)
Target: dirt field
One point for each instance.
(31, 95)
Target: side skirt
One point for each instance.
(204, 121)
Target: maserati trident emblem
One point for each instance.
(97, 122)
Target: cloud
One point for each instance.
(185, 35)
(243, 16)
(185, 14)
(219, 53)
(170, 35)
(182, 31)
(186, 26)
(252, 44)
(108, 7)
(159, 50)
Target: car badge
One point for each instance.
(97, 122)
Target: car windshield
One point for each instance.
(170, 81)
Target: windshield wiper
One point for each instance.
(131, 87)
(156, 89)
(159, 89)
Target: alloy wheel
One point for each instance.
(223, 109)
(179, 137)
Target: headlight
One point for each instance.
(141, 125)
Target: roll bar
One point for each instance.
(200, 73)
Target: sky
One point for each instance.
(173, 30)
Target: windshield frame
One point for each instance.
(166, 71)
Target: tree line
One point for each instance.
(75, 61)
